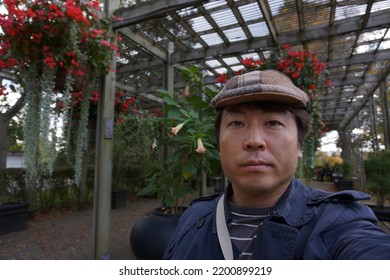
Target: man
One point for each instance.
(265, 213)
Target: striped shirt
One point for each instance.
(244, 225)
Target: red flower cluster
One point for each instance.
(3, 91)
(123, 104)
(42, 31)
(304, 68)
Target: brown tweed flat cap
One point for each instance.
(267, 85)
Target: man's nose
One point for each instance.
(255, 139)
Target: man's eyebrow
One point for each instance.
(234, 110)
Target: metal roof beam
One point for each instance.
(348, 119)
(378, 19)
(265, 10)
(150, 10)
(144, 42)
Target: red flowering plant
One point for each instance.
(308, 73)
(123, 105)
(55, 34)
(53, 48)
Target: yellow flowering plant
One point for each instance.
(188, 139)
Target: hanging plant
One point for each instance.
(54, 48)
(309, 74)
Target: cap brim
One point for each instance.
(260, 96)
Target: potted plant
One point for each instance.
(54, 48)
(133, 141)
(13, 213)
(187, 152)
(378, 182)
(342, 175)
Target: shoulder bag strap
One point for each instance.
(222, 231)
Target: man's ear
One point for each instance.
(300, 154)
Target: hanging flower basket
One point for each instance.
(54, 48)
(79, 81)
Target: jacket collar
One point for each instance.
(293, 206)
(298, 204)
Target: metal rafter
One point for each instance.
(351, 36)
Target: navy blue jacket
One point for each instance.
(306, 224)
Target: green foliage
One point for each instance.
(12, 186)
(56, 191)
(305, 169)
(345, 168)
(188, 139)
(377, 169)
(133, 149)
(15, 134)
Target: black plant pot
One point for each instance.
(13, 217)
(118, 198)
(151, 234)
(382, 213)
(344, 184)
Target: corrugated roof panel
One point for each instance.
(380, 5)
(276, 6)
(372, 35)
(343, 12)
(221, 70)
(187, 11)
(235, 34)
(258, 29)
(250, 12)
(385, 45)
(250, 55)
(212, 39)
(213, 63)
(237, 68)
(366, 48)
(224, 18)
(214, 4)
(200, 24)
(231, 60)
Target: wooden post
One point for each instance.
(103, 165)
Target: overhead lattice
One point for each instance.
(351, 36)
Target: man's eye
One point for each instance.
(236, 124)
(274, 123)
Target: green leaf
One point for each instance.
(197, 102)
(163, 92)
(189, 168)
(169, 100)
(195, 71)
(169, 201)
(150, 189)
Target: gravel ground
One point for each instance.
(67, 235)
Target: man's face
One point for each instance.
(259, 153)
